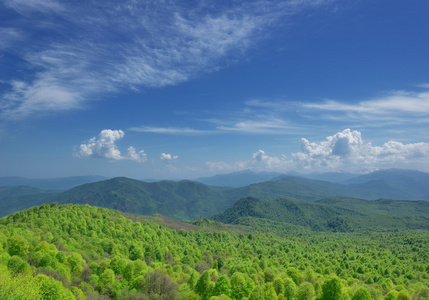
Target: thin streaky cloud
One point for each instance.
(274, 126)
(169, 130)
(398, 102)
(132, 45)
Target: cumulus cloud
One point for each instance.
(347, 149)
(104, 146)
(260, 161)
(167, 158)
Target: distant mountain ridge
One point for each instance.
(187, 200)
(15, 198)
(238, 179)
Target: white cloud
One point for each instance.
(104, 147)
(9, 37)
(395, 105)
(260, 161)
(347, 150)
(42, 96)
(127, 45)
(30, 6)
(168, 130)
(268, 126)
(263, 162)
(136, 156)
(167, 158)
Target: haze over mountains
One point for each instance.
(60, 184)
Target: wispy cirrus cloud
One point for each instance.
(170, 130)
(398, 105)
(82, 50)
(267, 126)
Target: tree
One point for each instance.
(238, 286)
(305, 291)
(18, 245)
(108, 277)
(202, 285)
(268, 275)
(332, 289)
(278, 285)
(269, 292)
(403, 295)
(257, 293)
(135, 251)
(289, 288)
(51, 289)
(17, 265)
(294, 274)
(391, 295)
(223, 286)
(362, 294)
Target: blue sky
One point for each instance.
(182, 89)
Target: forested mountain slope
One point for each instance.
(184, 200)
(84, 252)
(187, 200)
(332, 214)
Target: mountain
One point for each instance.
(383, 184)
(395, 183)
(61, 184)
(338, 177)
(16, 198)
(238, 179)
(329, 214)
(187, 200)
(183, 200)
(303, 189)
(291, 211)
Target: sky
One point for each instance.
(185, 89)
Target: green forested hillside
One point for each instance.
(84, 252)
(331, 213)
(184, 200)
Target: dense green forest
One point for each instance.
(329, 214)
(83, 252)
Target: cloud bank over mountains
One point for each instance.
(344, 150)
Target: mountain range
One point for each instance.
(187, 200)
